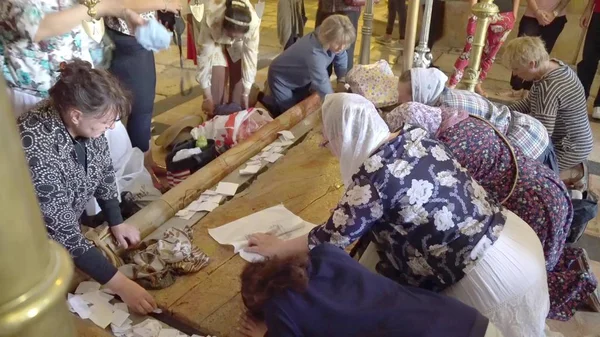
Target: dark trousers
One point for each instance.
(586, 69)
(353, 16)
(436, 28)
(396, 7)
(549, 34)
(282, 97)
(134, 67)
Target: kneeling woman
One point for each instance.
(69, 161)
(434, 226)
(302, 68)
(227, 46)
(329, 294)
(538, 196)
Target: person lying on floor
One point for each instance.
(538, 196)
(69, 162)
(427, 86)
(433, 225)
(302, 68)
(327, 293)
(556, 99)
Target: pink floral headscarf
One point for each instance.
(434, 120)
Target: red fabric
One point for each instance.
(497, 33)
(191, 45)
(597, 6)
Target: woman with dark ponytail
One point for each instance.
(328, 294)
(69, 161)
(227, 46)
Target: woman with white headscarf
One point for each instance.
(427, 86)
(434, 226)
(523, 185)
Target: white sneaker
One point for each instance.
(596, 112)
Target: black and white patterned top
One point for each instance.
(62, 183)
(558, 102)
(121, 25)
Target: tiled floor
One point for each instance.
(170, 106)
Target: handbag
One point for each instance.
(178, 171)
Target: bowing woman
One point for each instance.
(227, 47)
(538, 196)
(433, 225)
(69, 161)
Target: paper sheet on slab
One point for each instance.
(273, 157)
(228, 189)
(102, 314)
(287, 135)
(80, 306)
(168, 333)
(121, 306)
(119, 317)
(185, 214)
(250, 169)
(276, 220)
(202, 206)
(87, 286)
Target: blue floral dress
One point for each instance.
(430, 220)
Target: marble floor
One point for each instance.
(170, 106)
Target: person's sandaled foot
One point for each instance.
(479, 90)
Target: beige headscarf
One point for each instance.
(354, 130)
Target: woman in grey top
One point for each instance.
(556, 99)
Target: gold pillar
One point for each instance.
(411, 34)
(483, 10)
(34, 271)
(367, 31)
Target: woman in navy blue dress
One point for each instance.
(329, 294)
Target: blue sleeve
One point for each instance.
(340, 64)
(319, 78)
(279, 323)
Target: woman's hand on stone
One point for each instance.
(126, 235)
(267, 245)
(208, 106)
(250, 327)
(136, 297)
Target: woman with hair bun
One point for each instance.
(328, 293)
(227, 46)
(69, 161)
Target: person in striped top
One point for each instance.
(556, 99)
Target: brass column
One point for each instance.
(34, 271)
(367, 31)
(410, 34)
(483, 10)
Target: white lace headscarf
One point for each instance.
(354, 130)
(427, 84)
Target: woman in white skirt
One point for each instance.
(434, 227)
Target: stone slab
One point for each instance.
(306, 181)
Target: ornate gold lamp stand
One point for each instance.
(483, 10)
(34, 271)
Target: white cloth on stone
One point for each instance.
(508, 284)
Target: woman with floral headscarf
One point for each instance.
(538, 197)
(433, 225)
